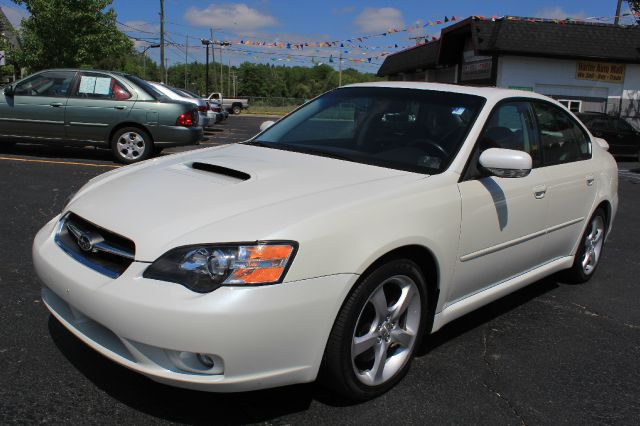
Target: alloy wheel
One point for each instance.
(131, 145)
(386, 330)
(593, 245)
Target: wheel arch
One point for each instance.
(426, 261)
(128, 124)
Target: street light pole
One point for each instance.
(144, 59)
(206, 66)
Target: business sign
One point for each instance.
(600, 71)
(3, 60)
(478, 70)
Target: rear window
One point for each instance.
(145, 86)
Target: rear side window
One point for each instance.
(622, 126)
(100, 86)
(599, 124)
(561, 138)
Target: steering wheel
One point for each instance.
(430, 146)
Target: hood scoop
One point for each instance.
(220, 170)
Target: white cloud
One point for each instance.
(15, 15)
(556, 12)
(375, 20)
(237, 16)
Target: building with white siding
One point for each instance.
(587, 66)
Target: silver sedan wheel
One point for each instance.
(386, 330)
(131, 145)
(593, 245)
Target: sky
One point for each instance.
(297, 32)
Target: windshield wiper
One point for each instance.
(256, 143)
(298, 148)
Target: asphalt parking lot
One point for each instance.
(549, 354)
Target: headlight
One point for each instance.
(204, 268)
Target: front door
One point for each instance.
(97, 103)
(37, 107)
(503, 219)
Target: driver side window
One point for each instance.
(52, 83)
(511, 127)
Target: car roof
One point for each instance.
(492, 93)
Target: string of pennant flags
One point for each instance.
(358, 50)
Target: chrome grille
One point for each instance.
(97, 248)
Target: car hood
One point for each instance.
(196, 197)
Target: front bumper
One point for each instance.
(260, 337)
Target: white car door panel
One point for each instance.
(572, 187)
(503, 219)
(503, 224)
(571, 193)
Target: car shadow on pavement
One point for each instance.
(195, 407)
(59, 152)
(487, 313)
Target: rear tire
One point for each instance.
(589, 251)
(236, 109)
(131, 145)
(376, 332)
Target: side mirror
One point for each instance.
(506, 163)
(8, 90)
(265, 125)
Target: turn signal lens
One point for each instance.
(260, 264)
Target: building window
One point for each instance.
(573, 106)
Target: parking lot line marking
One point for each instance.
(71, 163)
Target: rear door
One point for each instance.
(571, 191)
(97, 103)
(37, 108)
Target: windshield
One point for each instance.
(144, 85)
(407, 129)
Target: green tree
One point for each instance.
(71, 33)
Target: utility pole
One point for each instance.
(166, 70)
(221, 71)
(340, 71)
(213, 54)
(616, 20)
(235, 85)
(229, 75)
(162, 71)
(186, 62)
(206, 67)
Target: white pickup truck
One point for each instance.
(230, 104)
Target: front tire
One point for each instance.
(376, 332)
(131, 145)
(590, 250)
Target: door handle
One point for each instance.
(119, 107)
(56, 104)
(539, 191)
(590, 180)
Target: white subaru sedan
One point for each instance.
(333, 242)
